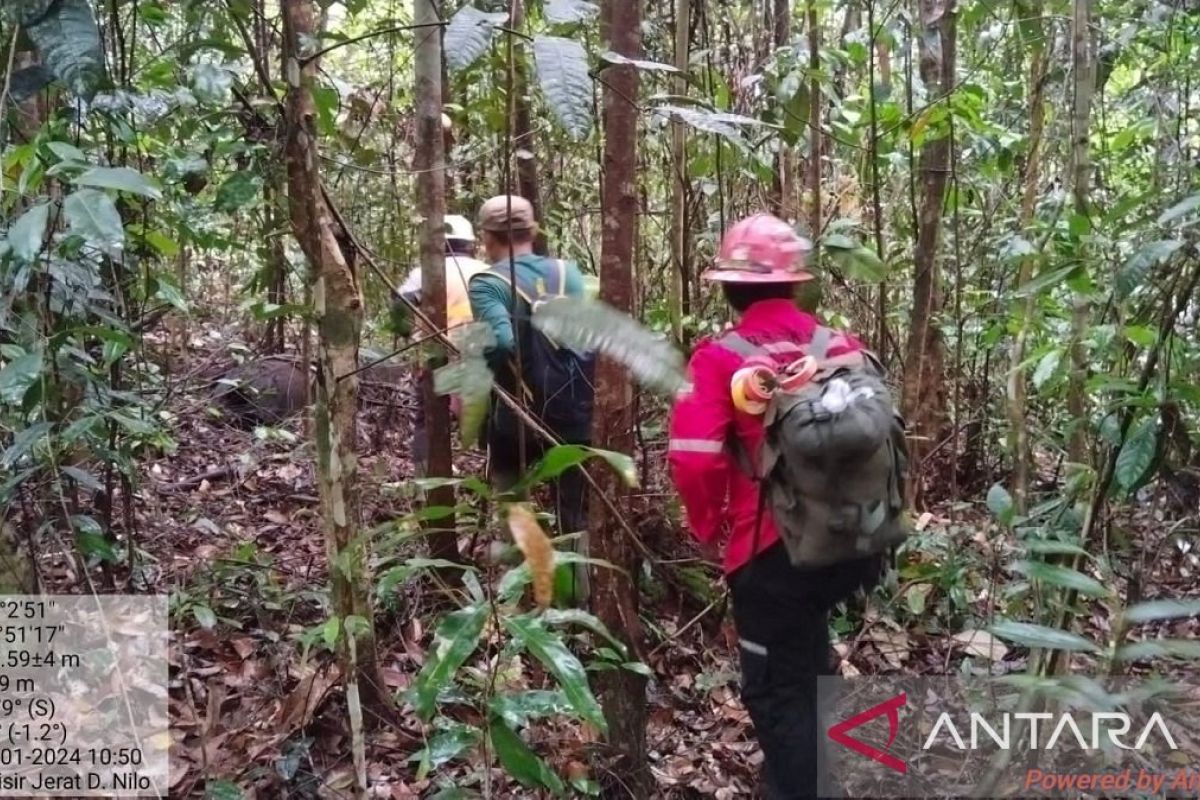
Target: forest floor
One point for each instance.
(229, 526)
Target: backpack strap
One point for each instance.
(740, 345)
(528, 290)
(818, 346)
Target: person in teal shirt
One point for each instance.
(508, 228)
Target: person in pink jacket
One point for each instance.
(780, 611)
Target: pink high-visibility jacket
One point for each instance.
(721, 502)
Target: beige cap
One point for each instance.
(495, 214)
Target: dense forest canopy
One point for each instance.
(209, 380)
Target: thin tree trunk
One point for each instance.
(338, 310)
(924, 395)
(527, 171)
(614, 593)
(814, 120)
(1018, 439)
(1083, 67)
(429, 164)
(680, 257)
(783, 199)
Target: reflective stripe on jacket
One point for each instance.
(721, 502)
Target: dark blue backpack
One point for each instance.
(557, 381)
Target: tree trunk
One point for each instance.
(1018, 436)
(783, 195)
(276, 260)
(680, 257)
(614, 593)
(429, 164)
(338, 309)
(814, 121)
(924, 399)
(273, 253)
(1083, 67)
(527, 172)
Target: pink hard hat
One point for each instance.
(761, 249)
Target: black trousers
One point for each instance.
(569, 490)
(782, 618)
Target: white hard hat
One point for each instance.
(459, 228)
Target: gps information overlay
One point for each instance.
(83, 696)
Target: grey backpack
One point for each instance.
(833, 465)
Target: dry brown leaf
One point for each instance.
(244, 646)
(538, 551)
(300, 706)
(277, 517)
(982, 644)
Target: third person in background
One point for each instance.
(461, 265)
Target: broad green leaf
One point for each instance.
(609, 57)
(516, 709)
(326, 99)
(69, 152)
(456, 638)
(18, 375)
(916, 596)
(707, 121)
(25, 236)
(92, 214)
(838, 241)
(92, 542)
(1065, 577)
(1157, 610)
(1047, 367)
(560, 458)
(1137, 455)
(123, 179)
(1159, 648)
(1141, 335)
(521, 762)
(330, 631)
(861, 264)
(1030, 635)
(23, 444)
(82, 477)
(1045, 281)
(548, 648)
(1000, 503)
(1134, 271)
(204, 617)
(68, 39)
(577, 616)
(591, 325)
(357, 626)
(566, 12)
(1053, 547)
(166, 290)
(562, 69)
(446, 745)
(1181, 208)
(222, 790)
(468, 36)
(239, 189)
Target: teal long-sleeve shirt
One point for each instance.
(491, 298)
